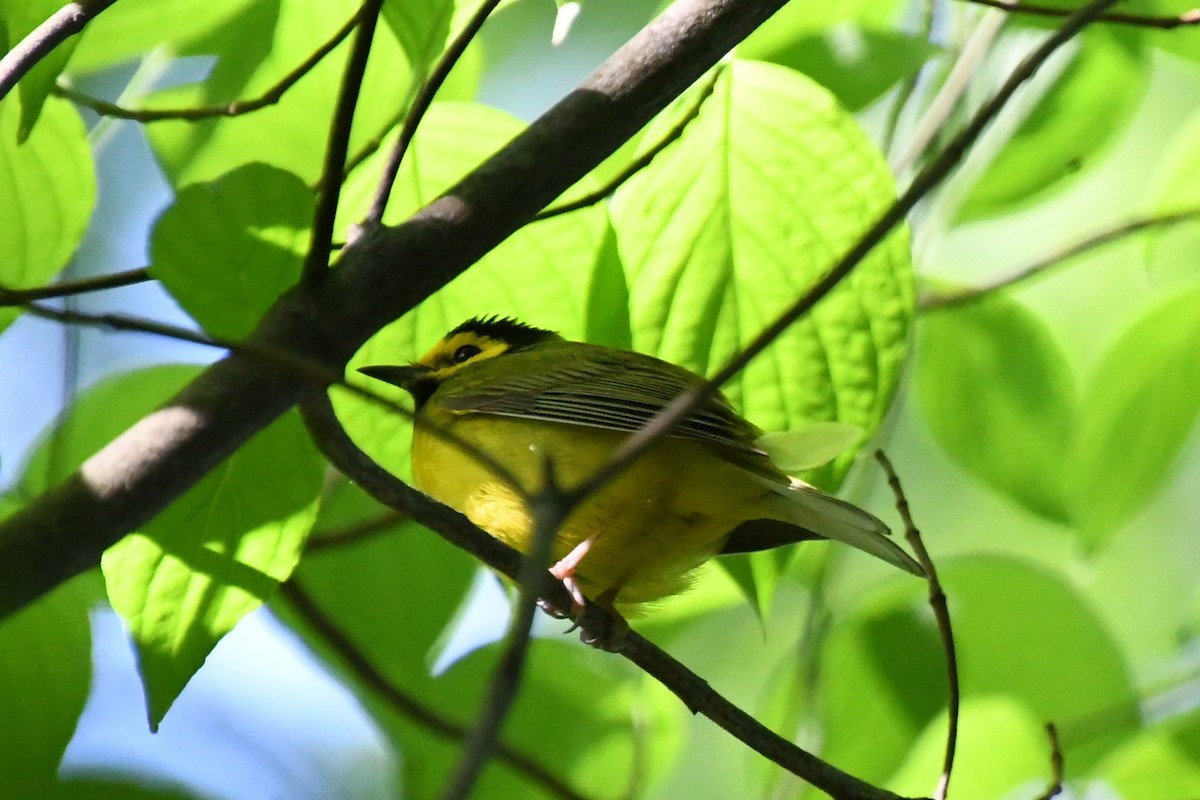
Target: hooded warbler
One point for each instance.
(522, 394)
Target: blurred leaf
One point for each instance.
(269, 41)
(1069, 126)
(226, 250)
(1171, 251)
(768, 186)
(213, 556)
(542, 274)
(45, 672)
(18, 18)
(1002, 752)
(132, 28)
(757, 575)
(1143, 398)
(608, 297)
(998, 395)
(1025, 634)
(47, 189)
(1162, 762)
(1182, 41)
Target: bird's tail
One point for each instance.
(828, 516)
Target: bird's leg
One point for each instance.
(564, 570)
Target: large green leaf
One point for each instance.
(214, 555)
(1171, 251)
(132, 28)
(1163, 762)
(998, 395)
(267, 43)
(226, 250)
(543, 274)
(1069, 126)
(766, 189)
(47, 189)
(1143, 399)
(45, 671)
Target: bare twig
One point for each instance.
(935, 301)
(238, 107)
(17, 297)
(405, 704)
(353, 534)
(422, 101)
(641, 162)
(689, 687)
(1187, 18)
(941, 613)
(41, 41)
(316, 260)
(548, 513)
(676, 411)
(1056, 764)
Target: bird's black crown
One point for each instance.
(518, 334)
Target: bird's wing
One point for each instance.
(601, 389)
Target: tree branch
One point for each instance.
(19, 297)
(63, 532)
(1187, 18)
(235, 109)
(41, 41)
(405, 704)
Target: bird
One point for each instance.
(530, 401)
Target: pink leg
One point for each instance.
(564, 570)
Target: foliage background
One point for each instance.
(1044, 433)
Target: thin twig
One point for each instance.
(405, 704)
(238, 107)
(420, 105)
(41, 41)
(1056, 764)
(641, 162)
(677, 410)
(17, 297)
(1191, 17)
(329, 187)
(455, 528)
(941, 613)
(335, 538)
(548, 514)
(935, 301)
(909, 87)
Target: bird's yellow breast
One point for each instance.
(657, 521)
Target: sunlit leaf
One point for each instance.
(213, 555)
(226, 250)
(47, 189)
(18, 18)
(766, 189)
(998, 395)
(1171, 251)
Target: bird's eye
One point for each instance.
(465, 353)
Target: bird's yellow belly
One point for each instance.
(656, 522)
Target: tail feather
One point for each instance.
(833, 518)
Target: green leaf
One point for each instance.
(1001, 749)
(18, 18)
(214, 555)
(132, 28)
(268, 42)
(47, 189)
(45, 672)
(1031, 636)
(227, 250)
(1068, 127)
(1143, 398)
(765, 190)
(1161, 762)
(998, 395)
(542, 274)
(421, 28)
(1170, 251)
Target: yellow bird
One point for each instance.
(523, 395)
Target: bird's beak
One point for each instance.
(406, 377)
